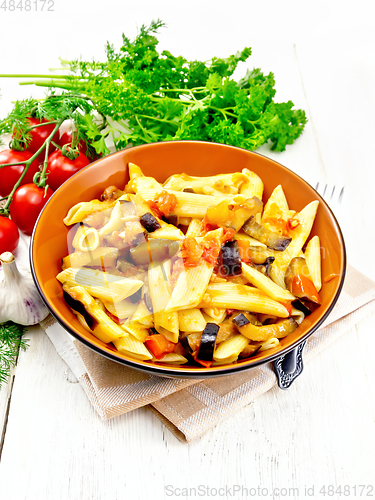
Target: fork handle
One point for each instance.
(289, 366)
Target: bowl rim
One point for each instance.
(196, 372)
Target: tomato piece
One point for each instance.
(60, 168)
(9, 235)
(206, 364)
(211, 251)
(207, 226)
(155, 209)
(304, 287)
(288, 305)
(166, 202)
(159, 345)
(27, 203)
(10, 175)
(191, 252)
(228, 234)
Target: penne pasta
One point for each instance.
(122, 310)
(242, 297)
(269, 344)
(131, 346)
(79, 212)
(143, 316)
(313, 259)
(104, 328)
(215, 314)
(190, 287)
(191, 320)
(166, 322)
(265, 284)
(194, 229)
(167, 232)
(138, 331)
(188, 204)
(143, 182)
(86, 238)
(230, 348)
(134, 171)
(282, 259)
(172, 358)
(104, 257)
(253, 186)
(221, 182)
(116, 220)
(278, 198)
(252, 242)
(297, 315)
(105, 286)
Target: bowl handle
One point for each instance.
(289, 366)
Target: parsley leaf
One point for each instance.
(147, 96)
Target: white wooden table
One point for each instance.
(286, 444)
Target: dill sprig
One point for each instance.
(10, 344)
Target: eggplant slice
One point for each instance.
(265, 268)
(154, 250)
(305, 306)
(230, 259)
(208, 339)
(273, 240)
(149, 222)
(77, 306)
(240, 320)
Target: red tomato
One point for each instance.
(26, 205)
(60, 168)
(39, 135)
(10, 175)
(67, 137)
(9, 235)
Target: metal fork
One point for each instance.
(332, 194)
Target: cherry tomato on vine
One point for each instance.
(39, 135)
(67, 138)
(10, 175)
(26, 205)
(9, 235)
(60, 168)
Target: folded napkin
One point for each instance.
(188, 408)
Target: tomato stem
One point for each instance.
(42, 124)
(12, 164)
(42, 175)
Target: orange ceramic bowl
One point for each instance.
(160, 160)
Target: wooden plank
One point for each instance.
(5, 395)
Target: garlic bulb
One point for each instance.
(19, 299)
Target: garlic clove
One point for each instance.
(19, 299)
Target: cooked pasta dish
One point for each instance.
(195, 271)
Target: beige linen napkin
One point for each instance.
(189, 408)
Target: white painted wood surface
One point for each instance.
(319, 432)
